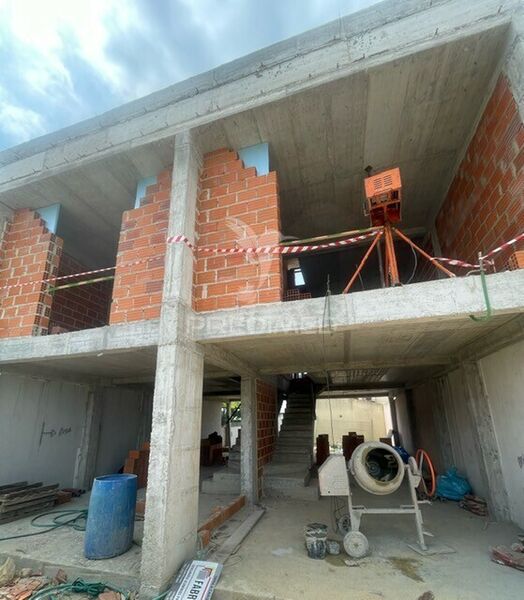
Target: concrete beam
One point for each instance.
(384, 33)
(421, 302)
(366, 364)
(230, 362)
(109, 339)
(514, 64)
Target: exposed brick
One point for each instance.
(236, 208)
(28, 256)
(137, 289)
(267, 415)
(484, 205)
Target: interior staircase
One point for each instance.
(288, 474)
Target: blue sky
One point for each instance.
(63, 61)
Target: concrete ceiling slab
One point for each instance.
(93, 198)
(415, 113)
(392, 354)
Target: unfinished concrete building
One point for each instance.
(265, 150)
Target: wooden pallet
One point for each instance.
(20, 499)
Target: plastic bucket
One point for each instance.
(111, 516)
(316, 536)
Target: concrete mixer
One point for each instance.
(378, 469)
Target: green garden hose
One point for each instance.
(79, 586)
(76, 519)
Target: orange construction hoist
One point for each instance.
(383, 206)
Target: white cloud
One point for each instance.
(19, 122)
(70, 59)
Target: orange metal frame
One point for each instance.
(383, 195)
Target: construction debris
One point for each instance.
(7, 571)
(474, 504)
(505, 556)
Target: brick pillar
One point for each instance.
(236, 207)
(137, 291)
(29, 254)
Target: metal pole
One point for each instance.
(362, 262)
(394, 278)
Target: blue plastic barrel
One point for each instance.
(111, 516)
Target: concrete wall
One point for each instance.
(211, 417)
(504, 381)
(402, 407)
(41, 426)
(350, 414)
(444, 427)
(448, 422)
(123, 413)
(40, 429)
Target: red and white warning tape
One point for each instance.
(460, 263)
(182, 239)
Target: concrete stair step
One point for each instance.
(292, 456)
(296, 436)
(297, 427)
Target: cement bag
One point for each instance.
(452, 486)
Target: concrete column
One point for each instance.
(480, 410)
(88, 450)
(5, 216)
(171, 519)
(248, 440)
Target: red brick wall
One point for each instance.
(80, 307)
(236, 208)
(29, 254)
(137, 290)
(266, 423)
(485, 203)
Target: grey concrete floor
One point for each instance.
(272, 562)
(63, 548)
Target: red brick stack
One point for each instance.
(484, 206)
(29, 254)
(137, 290)
(236, 207)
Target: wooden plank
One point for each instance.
(22, 489)
(30, 492)
(4, 509)
(23, 512)
(9, 486)
(6, 506)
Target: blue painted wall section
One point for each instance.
(256, 156)
(50, 215)
(141, 189)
